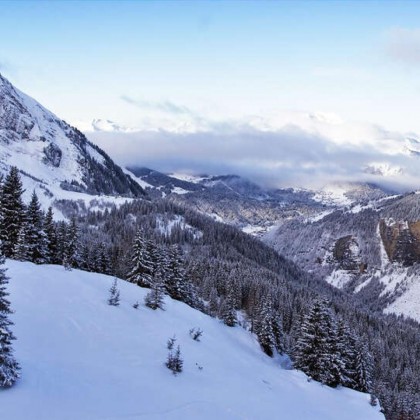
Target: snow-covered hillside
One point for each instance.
(83, 359)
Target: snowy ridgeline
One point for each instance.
(83, 359)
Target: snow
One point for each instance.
(258, 230)
(83, 359)
(339, 278)
(179, 190)
(334, 194)
(165, 227)
(95, 154)
(195, 179)
(408, 304)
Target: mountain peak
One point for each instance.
(52, 153)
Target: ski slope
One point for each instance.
(83, 359)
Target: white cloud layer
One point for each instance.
(291, 149)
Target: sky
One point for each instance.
(212, 66)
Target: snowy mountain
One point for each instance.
(52, 155)
(83, 359)
(372, 251)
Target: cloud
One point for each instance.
(163, 106)
(289, 156)
(403, 45)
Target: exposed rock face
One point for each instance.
(347, 254)
(401, 241)
(53, 155)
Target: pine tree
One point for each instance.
(228, 309)
(278, 333)
(363, 368)
(12, 212)
(114, 294)
(174, 361)
(177, 285)
(62, 230)
(265, 326)
(142, 266)
(346, 344)
(9, 368)
(71, 252)
(155, 298)
(213, 307)
(316, 352)
(35, 236)
(21, 250)
(51, 237)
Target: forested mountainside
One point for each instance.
(242, 203)
(51, 154)
(372, 252)
(230, 269)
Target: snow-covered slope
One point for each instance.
(51, 154)
(82, 359)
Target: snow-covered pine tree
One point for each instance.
(213, 306)
(177, 284)
(114, 294)
(315, 351)
(9, 367)
(363, 368)
(21, 251)
(156, 256)
(103, 264)
(174, 361)
(279, 343)
(346, 344)
(264, 327)
(228, 307)
(71, 252)
(35, 236)
(142, 266)
(155, 298)
(61, 230)
(12, 212)
(51, 235)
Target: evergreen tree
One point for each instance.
(363, 368)
(51, 237)
(155, 298)
(316, 352)
(12, 212)
(142, 266)
(346, 344)
(265, 326)
(21, 251)
(278, 333)
(228, 309)
(35, 237)
(9, 368)
(174, 361)
(114, 294)
(61, 242)
(177, 285)
(213, 307)
(71, 252)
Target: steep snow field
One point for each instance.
(82, 359)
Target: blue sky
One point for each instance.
(359, 59)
